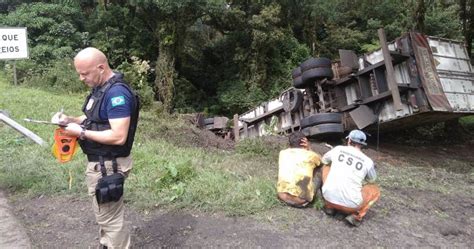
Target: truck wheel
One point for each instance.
(296, 72)
(316, 73)
(321, 118)
(292, 100)
(298, 83)
(323, 130)
(208, 121)
(315, 63)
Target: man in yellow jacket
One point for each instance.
(296, 172)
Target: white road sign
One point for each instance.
(13, 43)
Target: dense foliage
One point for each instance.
(217, 56)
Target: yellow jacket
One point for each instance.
(295, 172)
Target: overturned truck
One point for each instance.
(413, 80)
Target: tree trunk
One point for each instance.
(165, 75)
(420, 16)
(466, 13)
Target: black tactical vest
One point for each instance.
(93, 122)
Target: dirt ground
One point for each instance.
(427, 201)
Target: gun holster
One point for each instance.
(109, 187)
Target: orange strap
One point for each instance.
(64, 146)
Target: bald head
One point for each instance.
(91, 55)
(92, 66)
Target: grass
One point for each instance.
(425, 178)
(467, 122)
(239, 182)
(170, 172)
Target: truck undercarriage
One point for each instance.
(411, 81)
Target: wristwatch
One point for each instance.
(82, 136)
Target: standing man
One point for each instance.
(106, 132)
(344, 171)
(297, 181)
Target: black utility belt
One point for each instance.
(109, 188)
(95, 158)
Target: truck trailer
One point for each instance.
(414, 80)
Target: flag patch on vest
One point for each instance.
(120, 100)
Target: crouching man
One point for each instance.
(297, 183)
(344, 171)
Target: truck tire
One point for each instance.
(323, 130)
(292, 100)
(298, 83)
(321, 118)
(311, 75)
(315, 63)
(208, 121)
(296, 72)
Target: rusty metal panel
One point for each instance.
(450, 55)
(220, 122)
(460, 92)
(388, 112)
(402, 73)
(455, 72)
(349, 59)
(428, 74)
(351, 93)
(363, 116)
(460, 102)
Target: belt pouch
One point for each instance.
(109, 187)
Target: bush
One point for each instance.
(467, 122)
(136, 74)
(175, 173)
(59, 77)
(234, 97)
(53, 33)
(187, 98)
(24, 69)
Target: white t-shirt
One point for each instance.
(349, 168)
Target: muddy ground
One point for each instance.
(427, 201)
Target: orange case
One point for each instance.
(64, 146)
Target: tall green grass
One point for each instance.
(165, 173)
(467, 122)
(25, 166)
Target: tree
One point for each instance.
(420, 16)
(168, 22)
(220, 55)
(466, 14)
(54, 32)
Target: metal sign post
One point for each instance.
(13, 46)
(14, 73)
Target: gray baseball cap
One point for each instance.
(357, 136)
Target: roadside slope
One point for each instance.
(12, 234)
(423, 205)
